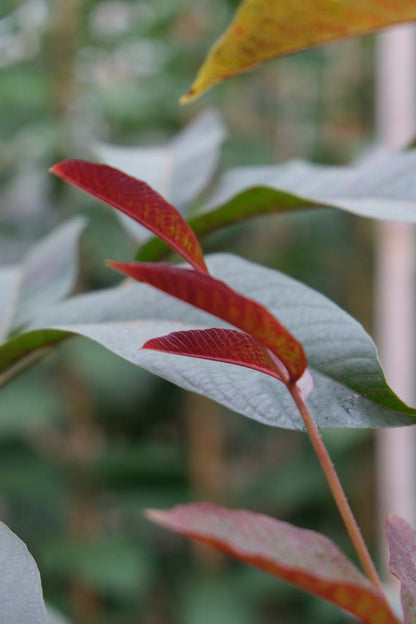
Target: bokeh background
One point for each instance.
(87, 441)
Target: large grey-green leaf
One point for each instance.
(349, 386)
(381, 186)
(21, 600)
(178, 170)
(45, 276)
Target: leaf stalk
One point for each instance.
(336, 487)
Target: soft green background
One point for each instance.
(87, 440)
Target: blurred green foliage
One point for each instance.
(86, 440)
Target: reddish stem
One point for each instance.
(336, 488)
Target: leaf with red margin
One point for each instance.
(222, 345)
(211, 295)
(302, 557)
(137, 200)
(401, 539)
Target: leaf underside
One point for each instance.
(21, 597)
(349, 388)
(45, 275)
(215, 297)
(179, 170)
(401, 539)
(305, 558)
(380, 187)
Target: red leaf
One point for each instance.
(221, 345)
(401, 539)
(305, 558)
(138, 201)
(213, 296)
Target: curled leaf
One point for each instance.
(137, 200)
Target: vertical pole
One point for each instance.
(395, 277)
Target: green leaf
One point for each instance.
(21, 597)
(178, 170)
(381, 187)
(349, 388)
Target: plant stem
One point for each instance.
(336, 488)
(22, 365)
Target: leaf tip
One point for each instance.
(117, 266)
(149, 345)
(188, 97)
(155, 515)
(56, 169)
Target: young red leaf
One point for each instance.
(401, 539)
(138, 201)
(213, 296)
(305, 558)
(221, 345)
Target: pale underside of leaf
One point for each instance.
(9, 286)
(216, 297)
(46, 275)
(265, 29)
(379, 187)
(178, 170)
(349, 388)
(401, 539)
(21, 600)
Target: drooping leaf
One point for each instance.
(21, 600)
(380, 187)
(137, 200)
(305, 558)
(178, 170)
(46, 275)
(215, 297)
(265, 29)
(349, 388)
(401, 539)
(221, 345)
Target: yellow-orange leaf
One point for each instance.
(264, 29)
